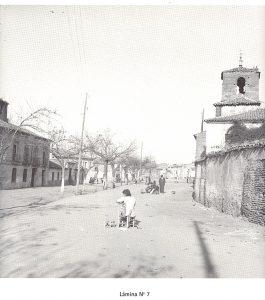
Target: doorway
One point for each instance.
(33, 173)
(43, 178)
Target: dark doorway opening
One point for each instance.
(43, 178)
(33, 173)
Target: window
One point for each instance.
(14, 156)
(241, 85)
(43, 158)
(58, 175)
(52, 176)
(35, 155)
(26, 155)
(25, 175)
(14, 175)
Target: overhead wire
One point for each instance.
(74, 42)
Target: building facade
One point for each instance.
(24, 155)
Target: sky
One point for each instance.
(149, 70)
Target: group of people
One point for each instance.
(153, 188)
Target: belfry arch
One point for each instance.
(241, 82)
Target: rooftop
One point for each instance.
(253, 116)
(241, 69)
(239, 100)
(54, 165)
(13, 127)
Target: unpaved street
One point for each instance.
(176, 238)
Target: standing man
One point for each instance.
(162, 183)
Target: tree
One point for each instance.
(86, 154)
(104, 147)
(64, 149)
(131, 164)
(36, 121)
(149, 165)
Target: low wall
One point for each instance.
(222, 182)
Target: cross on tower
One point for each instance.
(240, 59)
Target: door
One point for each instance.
(43, 178)
(33, 173)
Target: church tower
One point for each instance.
(240, 90)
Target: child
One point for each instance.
(128, 202)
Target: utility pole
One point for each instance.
(81, 147)
(202, 121)
(140, 171)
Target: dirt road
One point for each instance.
(176, 238)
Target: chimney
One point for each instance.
(3, 110)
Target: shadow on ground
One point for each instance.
(210, 271)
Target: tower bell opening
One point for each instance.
(241, 82)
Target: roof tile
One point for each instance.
(252, 116)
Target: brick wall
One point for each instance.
(253, 202)
(220, 180)
(229, 85)
(199, 183)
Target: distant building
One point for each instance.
(181, 172)
(70, 172)
(25, 163)
(162, 169)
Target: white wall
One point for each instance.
(234, 110)
(215, 136)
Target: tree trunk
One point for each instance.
(105, 181)
(126, 175)
(62, 182)
(121, 174)
(113, 170)
(113, 174)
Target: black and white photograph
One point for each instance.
(132, 143)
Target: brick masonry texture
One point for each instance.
(220, 182)
(253, 203)
(229, 86)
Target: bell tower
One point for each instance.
(240, 82)
(240, 90)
